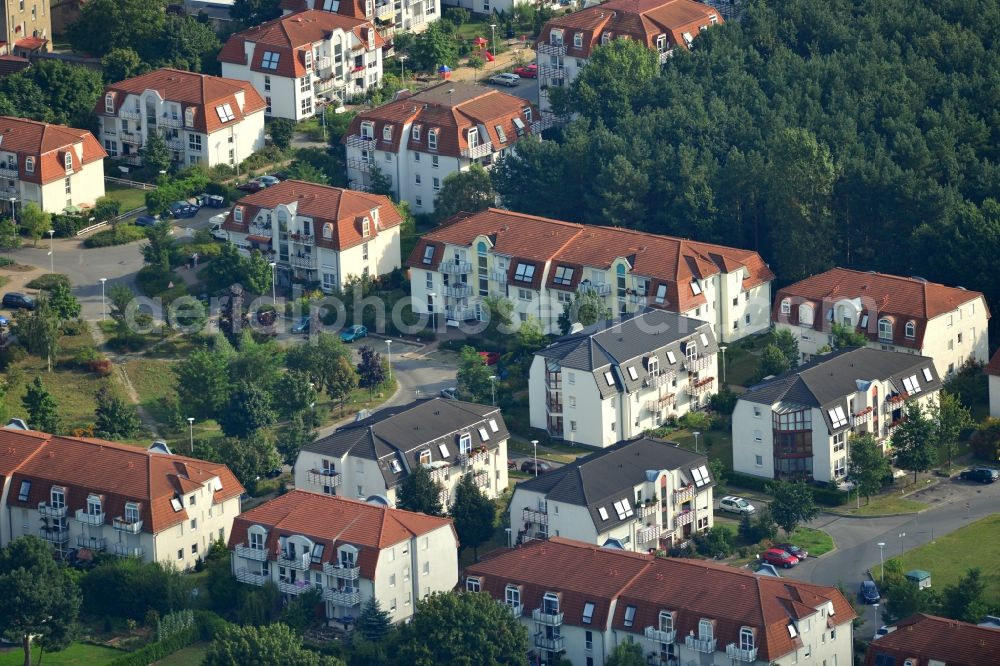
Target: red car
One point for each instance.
(780, 558)
(489, 358)
(527, 72)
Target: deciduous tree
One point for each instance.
(419, 492)
(254, 12)
(966, 600)
(249, 458)
(34, 221)
(847, 336)
(249, 410)
(772, 362)
(38, 330)
(950, 418)
(371, 369)
(913, 441)
(474, 383)
(281, 130)
(793, 504)
(433, 47)
(269, 644)
(122, 63)
(867, 465)
(586, 309)
(115, 418)
(626, 654)
(474, 514)
(203, 383)
(464, 191)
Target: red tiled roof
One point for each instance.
(665, 259)
(334, 521)
(11, 64)
(451, 109)
(353, 8)
(119, 472)
(48, 144)
(200, 92)
(641, 20)
(993, 367)
(900, 298)
(923, 638)
(31, 43)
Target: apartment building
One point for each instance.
(52, 166)
(203, 119)
(615, 380)
(349, 551)
(800, 423)
(419, 139)
(316, 233)
(389, 15)
(90, 494)
(579, 602)
(928, 640)
(641, 495)
(567, 42)
(295, 60)
(907, 314)
(371, 458)
(540, 265)
(993, 372)
(27, 26)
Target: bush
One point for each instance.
(160, 649)
(74, 327)
(86, 355)
(48, 281)
(696, 421)
(821, 494)
(101, 367)
(120, 234)
(12, 354)
(66, 226)
(106, 208)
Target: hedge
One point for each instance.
(207, 624)
(821, 495)
(120, 234)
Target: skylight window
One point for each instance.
(394, 466)
(624, 509)
(703, 472)
(864, 321)
(629, 616)
(632, 373)
(837, 417)
(602, 512)
(501, 135)
(704, 340)
(225, 113)
(695, 287)
(609, 378)
(699, 480)
(176, 504)
(22, 494)
(588, 612)
(270, 60)
(792, 631)
(444, 450)
(927, 374)
(563, 276)
(493, 426)
(911, 384)
(485, 436)
(661, 294)
(524, 272)
(428, 254)
(671, 358)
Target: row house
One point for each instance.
(318, 234)
(617, 379)
(566, 43)
(420, 139)
(99, 496)
(203, 119)
(389, 16)
(348, 551)
(53, 166)
(295, 60)
(906, 314)
(579, 602)
(542, 265)
(799, 424)
(26, 26)
(642, 495)
(370, 459)
(929, 640)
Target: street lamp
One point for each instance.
(696, 435)
(274, 297)
(402, 70)
(52, 256)
(388, 351)
(881, 558)
(493, 29)
(493, 389)
(722, 348)
(875, 610)
(901, 535)
(104, 310)
(191, 431)
(534, 445)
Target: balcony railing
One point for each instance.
(552, 49)
(131, 159)
(296, 588)
(300, 562)
(647, 534)
(54, 534)
(303, 239)
(261, 230)
(383, 11)
(125, 550)
(517, 610)
(459, 314)
(455, 267)
(599, 289)
(637, 299)
(684, 518)
(747, 655)
(458, 291)
(251, 553)
(127, 526)
(666, 55)
(8, 172)
(358, 141)
(659, 636)
(535, 516)
(545, 122)
(339, 570)
(661, 402)
(324, 477)
(51, 510)
(549, 618)
(682, 495)
(706, 645)
(482, 479)
(553, 405)
(472, 459)
(553, 644)
(175, 144)
(551, 71)
(701, 387)
(342, 597)
(864, 416)
(439, 474)
(499, 276)
(309, 261)
(129, 115)
(251, 578)
(702, 362)
(89, 518)
(647, 510)
(481, 150)
(92, 543)
(660, 378)
(361, 165)
(167, 121)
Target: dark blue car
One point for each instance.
(869, 592)
(146, 220)
(182, 209)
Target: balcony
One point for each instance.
(545, 122)
(307, 261)
(133, 139)
(599, 289)
(299, 562)
(324, 477)
(455, 267)
(129, 115)
(57, 535)
(89, 518)
(537, 516)
(133, 159)
(548, 618)
(701, 362)
(706, 645)
(551, 72)
(263, 230)
(647, 510)
(251, 578)
(296, 588)
(342, 570)
(661, 402)
(364, 166)
(251, 553)
(552, 49)
(458, 291)
(359, 141)
(91, 543)
(864, 416)
(459, 314)
(516, 609)
(684, 518)
(661, 636)
(666, 55)
(51, 510)
(167, 121)
(553, 405)
(660, 378)
(175, 144)
(473, 458)
(345, 597)
(126, 525)
(701, 387)
(499, 276)
(384, 11)
(747, 655)
(481, 150)
(125, 550)
(439, 474)
(647, 534)
(9, 172)
(682, 495)
(481, 479)
(638, 299)
(553, 644)
(303, 239)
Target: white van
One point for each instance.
(215, 227)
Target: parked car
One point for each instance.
(274, 473)
(529, 466)
(980, 474)
(779, 558)
(451, 393)
(884, 630)
(4, 322)
(147, 220)
(793, 549)
(527, 72)
(505, 79)
(735, 504)
(868, 593)
(252, 186)
(267, 317)
(268, 181)
(218, 233)
(489, 357)
(353, 333)
(15, 300)
(511, 464)
(183, 210)
(302, 326)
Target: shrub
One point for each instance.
(160, 649)
(106, 208)
(101, 367)
(74, 327)
(696, 421)
(48, 281)
(85, 355)
(120, 234)
(66, 226)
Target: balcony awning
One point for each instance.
(259, 239)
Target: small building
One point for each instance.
(919, 577)
(928, 640)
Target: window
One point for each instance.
(746, 638)
(661, 294)
(365, 227)
(695, 287)
(109, 103)
(472, 584)
(180, 553)
(839, 441)
(632, 373)
(578, 40)
(563, 276)
(428, 254)
(759, 461)
(493, 425)
(270, 60)
(756, 412)
(443, 450)
(512, 596)
(417, 179)
(588, 610)
(416, 157)
(526, 112)
(927, 375)
(415, 133)
(629, 616)
(912, 384)
(805, 315)
(958, 338)
(238, 214)
(435, 160)
(194, 142)
(524, 294)
(435, 183)
(22, 493)
(840, 468)
(29, 164)
(609, 378)
(837, 417)
(432, 140)
(485, 436)
(464, 442)
(501, 135)
(911, 330)
(572, 426)
(758, 436)
(194, 549)
(425, 457)
(705, 629)
(387, 133)
(225, 113)
(666, 621)
(131, 513)
(524, 272)
(885, 329)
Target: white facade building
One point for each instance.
(350, 551)
(396, 15)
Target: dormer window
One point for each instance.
(23, 491)
(93, 505)
(415, 133)
(885, 329)
(270, 60)
(606, 37)
(556, 37)
(786, 306)
(666, 621)
(368, 130)
(526, 111)
(706, 630)
(131, 513)
(428, 254)
(68, 161)
(473, 137)
(189, 117)
(746, 638)
(524, 272)
(512, 596)
(472, 584)
(805, 315)
(308, 60)
(464, 443)
(387, 133)
(563, 276)
(57, 497)
(29, 164)
(365, 227)
(371, 37)
(109, 103)
(432, 139)
(629, 616)
(661, 43)
(327, 230)
(238, 215)
(911, 329)
(578, 40)
(550, 603)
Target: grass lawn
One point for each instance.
(192, 655)
(815, 542)
(719, 443)
(129, 197)
(742, 359)
(881, 505)
(83, 654)
(152, 380)
(949, 557)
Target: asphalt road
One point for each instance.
(525, 89)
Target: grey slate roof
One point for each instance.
(610, 475)
(827, 380)
(617, 344)
(401, 433)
